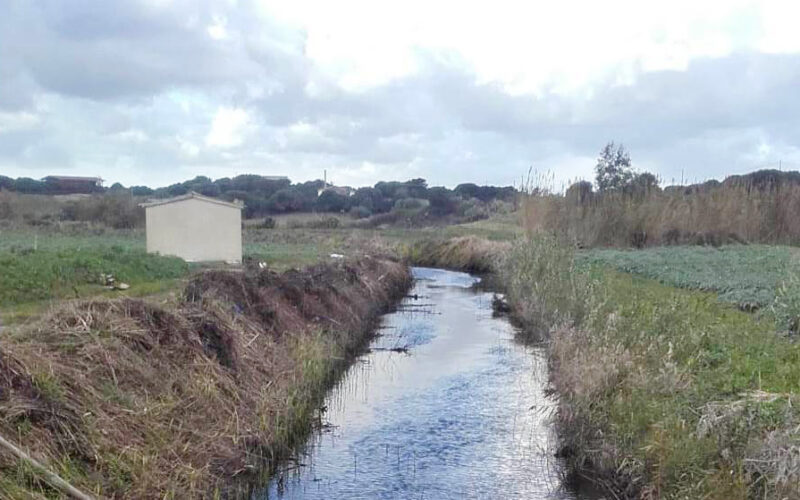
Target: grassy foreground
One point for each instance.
(663, 392)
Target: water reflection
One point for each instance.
(445, 405)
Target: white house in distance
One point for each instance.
(195, 228)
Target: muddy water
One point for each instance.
(445, 405)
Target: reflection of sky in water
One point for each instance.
(440, 277)
(462, 415)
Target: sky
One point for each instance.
(154, 92)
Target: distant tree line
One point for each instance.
(268, 196)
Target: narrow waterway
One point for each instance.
(445, 405)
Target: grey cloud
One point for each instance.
(106, 80)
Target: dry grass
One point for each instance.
(464, 253)
(715, 215)
(663, 393)
(126, 399)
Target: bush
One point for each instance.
(323, 223)
(268, 223)
(331, 201)
(6, 211)
(360, 212)
(118, 212)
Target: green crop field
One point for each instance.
(746, 275)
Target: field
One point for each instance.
(745, 275)
(43, 264)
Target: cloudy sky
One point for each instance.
(158, 91)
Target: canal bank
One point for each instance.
(129, 398)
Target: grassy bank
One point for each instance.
(127, 399)
(663, 392)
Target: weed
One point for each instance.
(663, 392)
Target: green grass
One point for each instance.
(666, 386)
(745, 275)
(47, 274)
(77, 238)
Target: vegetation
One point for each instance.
(117, 206)
(127, 399)
(745, 275)
(47, 274)
(629, 209)
(664, 392)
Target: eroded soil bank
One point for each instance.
(128, 399)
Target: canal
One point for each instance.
(445, 405)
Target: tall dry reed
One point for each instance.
(735, 212)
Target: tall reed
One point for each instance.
(717, 214)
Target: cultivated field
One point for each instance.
(749, 276)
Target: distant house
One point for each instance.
(342, 190)
(65, 184)
(195, 228)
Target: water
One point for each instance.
(445, 405)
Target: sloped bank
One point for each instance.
(662, 392)
(128, 399)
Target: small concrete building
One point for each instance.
(195, 228)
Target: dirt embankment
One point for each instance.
(126, 399)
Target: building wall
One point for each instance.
(195, 230)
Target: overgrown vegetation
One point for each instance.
(127, 399)
(663, 392)
(629, 209)
(716, 214)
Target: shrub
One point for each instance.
(6, 211)
(269, 223)
(323, 223)
(360, 212)
(118, 212)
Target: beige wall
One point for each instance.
(195, 230)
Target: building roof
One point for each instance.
(71, 178)
(192, 195)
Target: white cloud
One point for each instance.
(450, 91)
(22, 120)
(217, 30)
(228, 128)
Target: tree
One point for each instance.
(443, 201)
(643, 183)
(579, 193)
(331, 201)
(613, 169)
(141, 191)
(29, 186)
